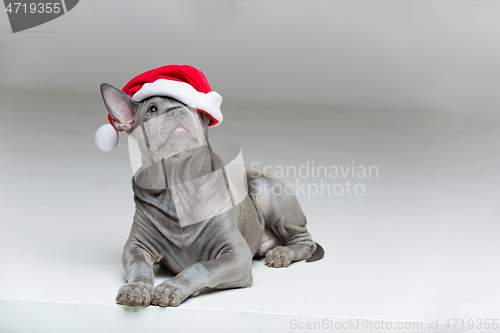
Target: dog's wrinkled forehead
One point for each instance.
(175, 110)
(169, 109)
(155, 106)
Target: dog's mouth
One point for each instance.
(177, 140)
(179, 134)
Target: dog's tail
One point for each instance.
(318, 254)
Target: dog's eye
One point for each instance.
(151, 110)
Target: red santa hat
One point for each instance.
(181, 82)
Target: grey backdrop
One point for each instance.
(441, 55)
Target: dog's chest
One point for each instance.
(180, 247)
(160, 228)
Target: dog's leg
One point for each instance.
(231, 269)
(268, 242)
(138, 265)
(283, 215)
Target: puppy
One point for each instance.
(194, 216)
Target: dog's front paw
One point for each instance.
(134, 294)
(169, 293)
(280, 256)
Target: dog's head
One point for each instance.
(164, 126)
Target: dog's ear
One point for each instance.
(120, 106)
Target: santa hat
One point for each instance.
(181, 82)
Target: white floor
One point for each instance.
(422, 244)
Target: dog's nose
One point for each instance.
(177, 114)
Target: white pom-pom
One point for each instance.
(106, 137)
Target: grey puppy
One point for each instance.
(215, 253)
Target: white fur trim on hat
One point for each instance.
(185, 93)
